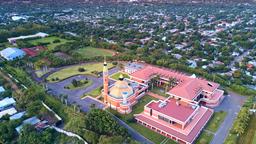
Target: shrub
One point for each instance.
(114, 63)
(81, 69)
(56, 41)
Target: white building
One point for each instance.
(40, 35)
(10, 111)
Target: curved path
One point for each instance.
(232, 105)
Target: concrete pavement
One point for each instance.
(232, 105)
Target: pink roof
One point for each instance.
(187, 87)
(189, 137)
(171, 109)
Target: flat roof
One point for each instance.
(2, 89)
(32, 121)
(17, 116)
(171, 109)
(190, 137)
(7, 102)
(9, 111)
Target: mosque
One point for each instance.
(181, 116)
(123, 94)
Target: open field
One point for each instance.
(249, 137)
(90, 52)
(90, 69)
(216, 120)
(50, 40)
(117, 75)
(138, 108)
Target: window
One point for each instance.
(163, 118)
(151, 112)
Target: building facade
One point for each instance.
(123, 94)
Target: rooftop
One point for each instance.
(9, 111)
(7, 102)
(2, 89)
(188, 87)
(173, 109)
(17, 116)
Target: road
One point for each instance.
(232, 105)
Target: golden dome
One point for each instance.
(119, 88)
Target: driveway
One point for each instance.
(232, 105)
(57, 88)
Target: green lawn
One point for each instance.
(215, 122)
(83, 85)
(249, 137)
(159, 91)
(90, 52)
(138, 108)
(254, 138)
(204, 138)
(96, 92)
(117, 75)
(90, 69)
(50, 40)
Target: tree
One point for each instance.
(75, 83)
(103, 123)
(66, 99)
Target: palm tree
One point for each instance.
(154, 80)
(61, 96)
(78, 108)
(74, 106)
(66, 99)
(171, 82)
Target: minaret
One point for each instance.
(105, 80)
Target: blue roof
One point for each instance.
(12, 53)
(2, 89)
(7, 102)
(31, 121)
(17, 116)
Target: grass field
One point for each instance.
(254, 138)
(90, 52)
(117, 75)
(215, 122)
(204, 138)
(96, 92)
(138, 108)
(73, 70)
(50, 40)
(83, 85)
(249, 137)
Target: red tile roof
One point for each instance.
(188, 138)
(34, 50)
(187, 87)
(171, 109)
